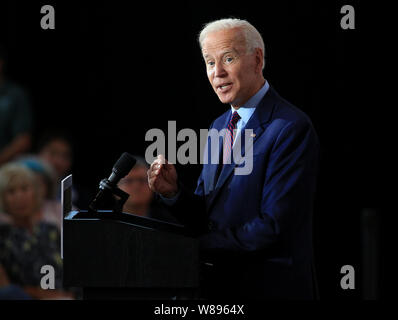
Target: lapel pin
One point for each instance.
(253, 135)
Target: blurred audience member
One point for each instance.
(46, 184)
(45, 173)
(55, 148)
(26, 243)
(15, 117)
(141, 200)
(10, 291)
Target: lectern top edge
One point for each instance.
(128, 218)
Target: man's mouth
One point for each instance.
(224, 87)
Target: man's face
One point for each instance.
(233, 73)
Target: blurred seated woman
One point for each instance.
(26, 243)
(141, 199)
(46, 181)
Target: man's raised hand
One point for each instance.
(162, 177)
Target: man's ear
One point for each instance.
(259, 60)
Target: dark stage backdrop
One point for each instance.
(109, 72)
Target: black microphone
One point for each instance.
(121, 168)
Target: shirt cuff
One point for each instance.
(170, 201)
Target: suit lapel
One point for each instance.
(211, 180)
(261, 116)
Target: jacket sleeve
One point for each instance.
(189, 207)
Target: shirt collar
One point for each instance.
(247, 109)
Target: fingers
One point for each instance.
(156, 167)
(161, 159)
(160, 162)
(156, 164)
(162, 176)
(160, 165)
(154, 180)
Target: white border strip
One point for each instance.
(66, 183)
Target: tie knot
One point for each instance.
(235, 117)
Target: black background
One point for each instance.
(110, 71)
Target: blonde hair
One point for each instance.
(13, 174)
(253, 38)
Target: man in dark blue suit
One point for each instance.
(255, 228)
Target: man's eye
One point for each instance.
(229, 59)
(210, 63)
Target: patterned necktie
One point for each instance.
(229, 137)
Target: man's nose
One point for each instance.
(219, 70)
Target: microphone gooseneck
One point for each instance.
(121, 168)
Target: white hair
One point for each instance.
(253, 38)
(13, 173)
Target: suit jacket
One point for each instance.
(256, 230)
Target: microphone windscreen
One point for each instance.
(123, 166)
